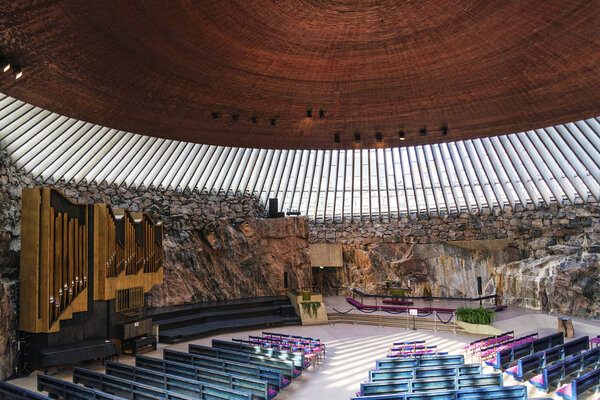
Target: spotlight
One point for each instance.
(321, 114)
(378, 137)
(444, 130)
(4, 64)
(17, 72)
(235, 117)
(401, 135)
(336, 138)
(254, 119)
(357, 137)
(423, 131)
(215, 114)
(309, 113)
(274, 120)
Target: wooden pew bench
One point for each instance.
(58, 388)
(271, 375)
(180, 384)
(438, 361)
(424, 372)
(488, 393)
(539, 360)
(169, 388)
(506, 357)
(586, 382)
(430, 384)
(286, 367)
(554, 375)
(296, 357)
(9, 391)
(258, 388)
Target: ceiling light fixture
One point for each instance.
(357, 137)
(423, 131)
(336, 138)
(401, 135)
(17, 72)
(444, 130)
(378, 137)
(4, 64)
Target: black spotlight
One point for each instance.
(235, 117)
(357, 137)
(4, 64)
(309, 113)
(336, 138)
(444, 130)
(254, 119)
(378, 137)
(274, 120)
(215, 114)
(423, 131)
(17, 71)
(321, 114)
(401, 135)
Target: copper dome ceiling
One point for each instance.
(247, 72)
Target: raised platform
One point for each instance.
(190, 321)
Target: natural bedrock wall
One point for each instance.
(546, 258)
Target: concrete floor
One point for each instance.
(352, 351)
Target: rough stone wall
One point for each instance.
(216, 247)
(545, 258)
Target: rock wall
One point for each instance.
(545, 258)
(216, 247)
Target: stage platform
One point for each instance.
(190, 321)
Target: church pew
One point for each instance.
(485, 353)
(488, 393)
(429, 384)
(424, 372)
(543, 358)
(507, 356)
(297, 357)
(437, 361)
(260, 388)
(168, 391)
(58, 388)
(273, 376)
(287, 368)
(9, 391)
(181, 384)
(585, 382)
(553, 375)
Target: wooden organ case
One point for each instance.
(85, 270)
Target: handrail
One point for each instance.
(383, 296)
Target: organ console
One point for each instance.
(88, 260)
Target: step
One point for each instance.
(208, 329)
(207, 317)
(185, 309)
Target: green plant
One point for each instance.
(311, 308)
(479, 315)
(305, 296)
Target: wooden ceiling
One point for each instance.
(246, 72)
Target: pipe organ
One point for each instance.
(74, 255)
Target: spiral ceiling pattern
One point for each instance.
(293, 74)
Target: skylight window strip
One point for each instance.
(185, 168)
(504, 176)
(249, 159)
(521, 161)
(223, 168)
(486, 174)
(577, 161)
(550, 160)
(93, 156)
(581, 144)
(534, 157)
(127, 169)
(156, 162)
(115, 158)
(207, 152)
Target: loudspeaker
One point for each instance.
(479, 287)
(273, 206)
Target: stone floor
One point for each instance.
(352, 351)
